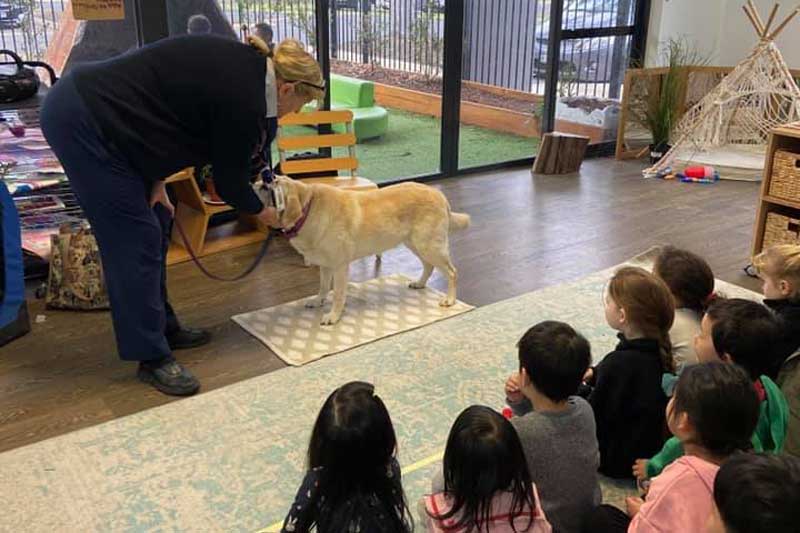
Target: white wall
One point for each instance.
(719, 29)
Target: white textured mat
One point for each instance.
(375, 309)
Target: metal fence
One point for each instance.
(505, 41)
(26, 26)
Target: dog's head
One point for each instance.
(296, 195)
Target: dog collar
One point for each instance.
(292, 232)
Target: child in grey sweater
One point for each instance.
(556, 428)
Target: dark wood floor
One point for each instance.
(528, 232)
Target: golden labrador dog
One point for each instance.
(332, 227)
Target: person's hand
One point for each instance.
(587, 377)
(513, 392)
(632, 505)
(268, 217)
(640, 469)
(158, 195)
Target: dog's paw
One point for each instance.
(447, 302)
(416, 285)
(328, 319)
(314, 303)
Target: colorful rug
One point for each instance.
(375, 309)
(232, 459)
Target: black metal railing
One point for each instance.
(505, 41)
(27, 26)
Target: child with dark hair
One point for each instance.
(691, 283)
(626, 393)
(353, 478)
(556, 427)
(487, 487)
(713, 413)
(779, 267)
(755, 493)
(745, 333)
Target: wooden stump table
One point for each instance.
(560, 153)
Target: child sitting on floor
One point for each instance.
(556, 427)
(779, 267)
(756, 492)
(626, 393)
(713, 413)
(353, 478)
(742, 332)
(691, 283)
(487, 487)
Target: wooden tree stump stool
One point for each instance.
(560, 153)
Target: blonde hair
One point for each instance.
(781, 261)
(292, 63)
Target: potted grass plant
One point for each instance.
(662, 105)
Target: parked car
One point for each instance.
(588, 60)
(436, 6)
(11, 15)
(356, 4)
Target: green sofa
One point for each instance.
(369, 120)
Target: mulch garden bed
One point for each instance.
(418, 82)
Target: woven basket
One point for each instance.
(781, 229)
(785, 181)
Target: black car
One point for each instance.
(11, 16)
(587, 60)
(357, 4)
(436, 6)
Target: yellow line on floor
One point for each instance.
(276, 527)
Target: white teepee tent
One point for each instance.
(729, 127)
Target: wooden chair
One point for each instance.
(297, 168)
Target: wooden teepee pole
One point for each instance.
(752, 18)
(783, 24)
(760, 22)
(771, 18)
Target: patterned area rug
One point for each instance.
(232, 459)
(375, 309)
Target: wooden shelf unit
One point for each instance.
(785, 137)
(194, 214)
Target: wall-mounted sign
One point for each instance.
(98, 9)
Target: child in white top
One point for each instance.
(691, 283)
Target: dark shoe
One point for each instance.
(168, 376)
(188, 338)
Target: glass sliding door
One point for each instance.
(386, 65)
(502, 82)
(596, 47)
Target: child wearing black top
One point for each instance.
(779, 268)
(626, 392)
(353, 479)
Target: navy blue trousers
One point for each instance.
(133, 237)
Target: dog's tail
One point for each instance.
(459, 221)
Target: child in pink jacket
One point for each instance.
(713, 413)
(487, 485)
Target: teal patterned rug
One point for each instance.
(232, 459)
